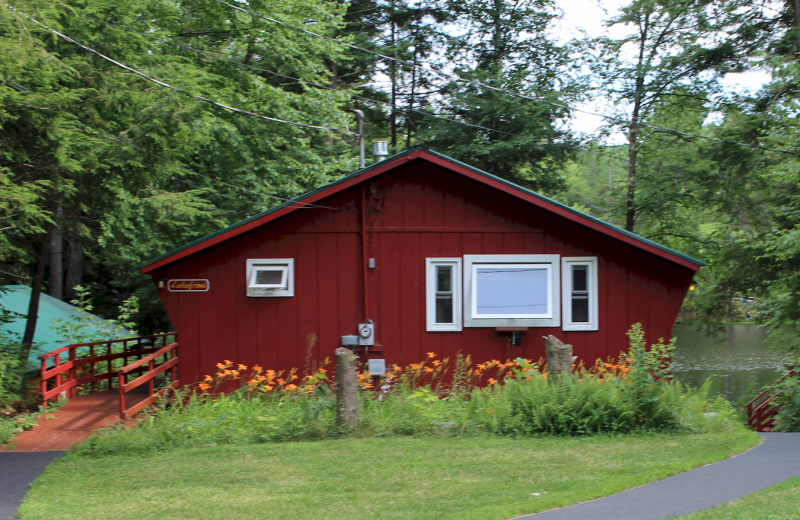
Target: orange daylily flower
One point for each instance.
(492, 381)
(431, 355)
(204, 386)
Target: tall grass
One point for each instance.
(246, 405)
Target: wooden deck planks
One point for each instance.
(75, 421)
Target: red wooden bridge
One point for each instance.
(85, 375)
(762, 409)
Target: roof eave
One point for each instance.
(441, 160)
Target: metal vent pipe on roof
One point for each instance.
(380, 149)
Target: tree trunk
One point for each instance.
(57, 257)
(559, 357)
(393, 78)
(797, 24)
(74, 264)
(33, 306)
(346, 387)
(633, 130)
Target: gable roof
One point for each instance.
(390, 163)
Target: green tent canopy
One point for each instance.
(16, 298)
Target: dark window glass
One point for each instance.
(444, 294)
(579, 278)
(580, 309)
(269, 277)
(580, 294)
(444, 278)
(444, 309)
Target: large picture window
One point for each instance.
(579, 291)
(512, 290)
(443, 294)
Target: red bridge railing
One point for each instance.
(169, 361)
(80, 367)
(761, 410)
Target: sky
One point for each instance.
(588, 16)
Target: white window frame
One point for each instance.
(473, 319)
(430, 294)
(269, 291)
(566, 286)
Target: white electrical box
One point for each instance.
(366, 334)
(376, 367)
(350, 341)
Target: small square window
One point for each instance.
(270, 277)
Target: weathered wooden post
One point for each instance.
(558, 355)
(346, 387)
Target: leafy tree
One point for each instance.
(122, 169)
(505, 45)
(671, 60)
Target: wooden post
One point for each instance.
(346, 387)
(44, 384)
(558, 355)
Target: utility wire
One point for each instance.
(365, 99)
(189, 170)
(481, 84)
(394, 108)
(177, 89)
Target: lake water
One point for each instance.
(737, 361)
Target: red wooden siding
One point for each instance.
(416, 211)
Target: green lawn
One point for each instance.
(779, 502)
(391, 478)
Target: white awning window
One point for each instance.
(270, 277)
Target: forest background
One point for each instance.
(130, 128)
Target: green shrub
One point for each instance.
(635, 395)
(788, 417)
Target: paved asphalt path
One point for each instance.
(17, 471)
(774, 460)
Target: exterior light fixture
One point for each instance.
(693, 285)
(162, 282)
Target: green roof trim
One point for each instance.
(357, 173)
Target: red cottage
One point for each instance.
(414, 254)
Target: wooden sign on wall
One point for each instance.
(188, 285)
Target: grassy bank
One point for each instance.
(779, 502)
(478, 478)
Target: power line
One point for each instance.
(497, 89)
(189, 170)
(177, 89)
(397, 109)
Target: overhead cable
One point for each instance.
(538, 99)
(178, 89)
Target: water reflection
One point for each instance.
(737, 361)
